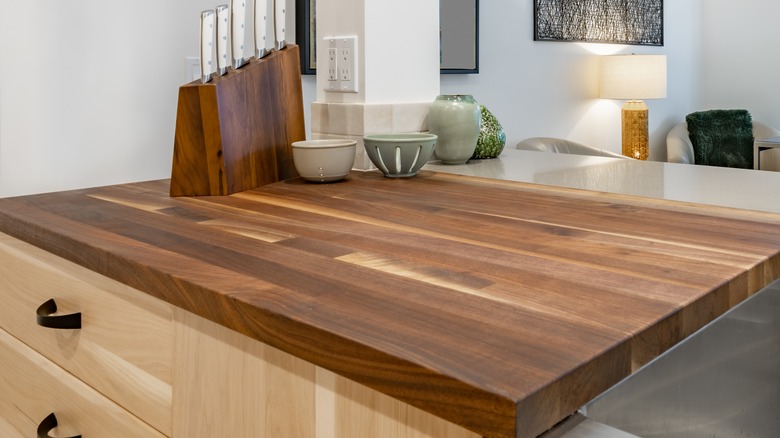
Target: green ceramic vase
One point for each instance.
(492, 138)
(456, 120)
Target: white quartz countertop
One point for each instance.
(737, 188)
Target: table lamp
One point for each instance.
(633, 78)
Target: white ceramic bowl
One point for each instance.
(399, 155)
(324, 160)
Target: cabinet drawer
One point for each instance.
(7, 429)
(124, 347)
(34, 387)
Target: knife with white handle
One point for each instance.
(261, 24)
(223, 22)
(237, 24)
(280, 9)
(206, 45)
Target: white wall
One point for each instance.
(76, 110)
(741, 57)
(88, 92)
(397, 69)
(550, 89)
(88, 89)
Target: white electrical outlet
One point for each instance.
(332, 64)
(191, 68)
(345, 56)
(342, 64)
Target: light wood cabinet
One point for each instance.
(228, 384)
(11, 422)
(139, 367)
(124, 348)
(36, 387)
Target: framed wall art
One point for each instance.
(638, 22)
(306, 34)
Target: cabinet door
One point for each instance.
(124, 346)
(33, 387)
(11, 424)
(227, 384)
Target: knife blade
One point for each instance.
(206, 45)
(223, 22)
(261, 24)
(237, 24)
(280, 10)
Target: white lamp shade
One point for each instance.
(633, 77)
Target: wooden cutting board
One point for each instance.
(500, 306)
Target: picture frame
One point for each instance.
(459, 36)
(306, 34)
(632, 22)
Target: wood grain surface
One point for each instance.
(235, 132)
(37, 387)
(229, 385)
(125, 346)
(500, 306)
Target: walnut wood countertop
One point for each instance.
(500, 306)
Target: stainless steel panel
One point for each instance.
(577, 426)
(722, 382)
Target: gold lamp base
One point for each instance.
(635, 133)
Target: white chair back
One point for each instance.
(561, 146)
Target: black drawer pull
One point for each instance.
(45, 318)
(47, 425)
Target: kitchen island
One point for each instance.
(499, 306)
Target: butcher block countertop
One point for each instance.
(501, 306)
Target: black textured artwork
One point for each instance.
(602, 21)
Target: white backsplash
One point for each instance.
(354, 120)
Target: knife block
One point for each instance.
(235, 132)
